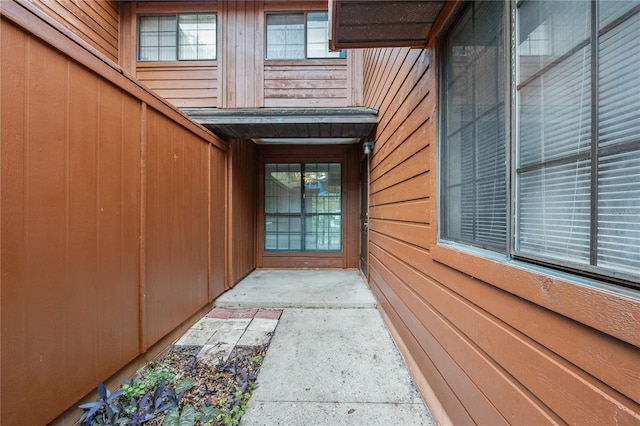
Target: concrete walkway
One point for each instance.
(331, 360)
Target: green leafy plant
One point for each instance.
(153, 391)
(185, 416)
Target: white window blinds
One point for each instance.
(473, 178)
(578, 135)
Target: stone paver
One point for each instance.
(223, 329)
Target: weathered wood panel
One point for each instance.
(510, 346)
(322, 83)
(96, 21)
(91, 163)
(242, 53)
(243, 156)
(184, 84)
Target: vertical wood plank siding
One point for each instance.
(176, 223)
(242, 51)
(112, 218)
(96, 21)
(243, 176)
(483, 348)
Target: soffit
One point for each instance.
(264, 123)
(382, 23)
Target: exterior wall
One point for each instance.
(184, 84)
(348, 155)
(190, 84)
(305, 84)
(243, 188)
(488, 342)
(111, 201)
(97, 22)
(241, 77)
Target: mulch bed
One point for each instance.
(217, 386)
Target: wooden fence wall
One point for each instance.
(243, 157)
(488, 342)
(113, 218)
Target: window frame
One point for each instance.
(605, 275)
(305, 13)
(304, 212)
(177, 15)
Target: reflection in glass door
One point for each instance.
(303, 207)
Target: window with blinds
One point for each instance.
(578, 135)
(573, 173)
(474, 188)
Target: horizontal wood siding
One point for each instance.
(96, 21)
(193, 84)
(106, 196)
(488, 342)
(304, 84)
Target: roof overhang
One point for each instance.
(381, 23)
(341, 125)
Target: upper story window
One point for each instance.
(302, 35)
(559, 183)
(182, 37)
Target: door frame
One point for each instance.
(348, 156)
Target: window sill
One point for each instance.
(315, 61)
(158, 64)
(610, 309)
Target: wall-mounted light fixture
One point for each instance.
(367, 146)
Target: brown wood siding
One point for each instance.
(106, 192)
(241, 38)
(305, 84)
(244, 181)
(184, 84)
(488, 342)
(218, 233)
(348, 155)
(177, 204)
(96, 21)
(241, 77)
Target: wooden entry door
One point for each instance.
(364, 215)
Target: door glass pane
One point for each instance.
(323, 205)
(291, 227)
(283, 205)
